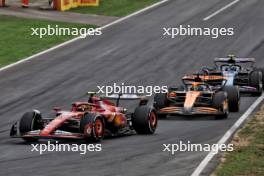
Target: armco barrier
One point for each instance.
(62, 5)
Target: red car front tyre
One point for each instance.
(92, 127)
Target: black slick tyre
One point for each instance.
(160, 101)
(255, 80)
(30, 121)
(220, 102)
(233, 96)
(144, 120)
(92, 127)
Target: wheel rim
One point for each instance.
(88, 130)
(153, 120)
(99, 128)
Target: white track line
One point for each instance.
(136, 13)
(77, 38)
(227, 136)
(220, 10)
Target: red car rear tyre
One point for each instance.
(145, 120)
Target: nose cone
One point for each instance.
(190, 99)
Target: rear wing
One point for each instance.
(203, 78)
(233, 60)
(143, 99)
(125, 96)
(213, 80)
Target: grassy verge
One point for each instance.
(16, 41)
(248, 156)
(115, 7)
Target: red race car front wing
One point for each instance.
(58, 134)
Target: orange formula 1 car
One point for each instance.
(88, 120)
(198, 97)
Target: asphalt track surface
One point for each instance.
(133, 52)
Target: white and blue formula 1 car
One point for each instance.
(238, 72)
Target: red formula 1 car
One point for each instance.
(88, 120)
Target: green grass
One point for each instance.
(16, 41)
(246, 159)
(115, 7)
